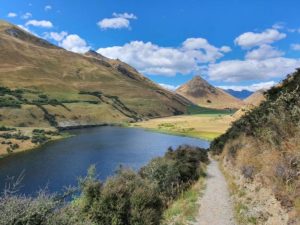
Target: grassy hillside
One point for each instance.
(263, 149)
(46, 82)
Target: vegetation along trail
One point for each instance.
(215, 205)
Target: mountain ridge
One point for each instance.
(243, 94)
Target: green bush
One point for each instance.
(165, 174)
(9, 102)
(18, 136)
(4, 128)
(21, 210)
(127, 199)
(39, 138)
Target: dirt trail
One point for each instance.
(215, 205)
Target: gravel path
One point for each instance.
(215, 205)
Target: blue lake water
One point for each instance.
(58, 164)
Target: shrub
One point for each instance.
(165, 174)
(18, 136)
(4, 128)
(40, 138)
(9, 102)
(127, 199)
(21, 210)
(188, 160)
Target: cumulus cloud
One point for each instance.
(12, 15)
(48, 7)
(118, 21)
(295, 47)
(55, 35)
(26, 16)
(251, 39)
(242, 70)
(264, 52)
(74, 43)
(252, 87)
(149, 58)
(169, 86)
(40, 23)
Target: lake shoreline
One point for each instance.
(63, 135)
(65, 129)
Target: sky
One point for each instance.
(237, 44)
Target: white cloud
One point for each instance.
(225, 49)
(26, 16)
(48, 7)
(169, 86)
(118, 21)
(149, 58)
(55, 36)
(252, 87)
(295, 47)
(239, 70)
(264, 52)
(251, 39)
(39, 23)
(12, 15)
(125, 15)
(74, 43)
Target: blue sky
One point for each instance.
(232, 43)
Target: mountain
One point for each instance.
(261, 152)
(239, 94)
(42, 84)
(251, 102)
(256, 98)
(200, 92)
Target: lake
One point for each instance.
(60, 163)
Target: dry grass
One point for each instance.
(206, 126)
(269, 174)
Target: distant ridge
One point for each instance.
(200, 92)
(243, 94)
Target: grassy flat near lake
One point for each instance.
(206, 126)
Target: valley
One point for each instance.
(171, 150)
